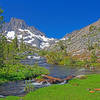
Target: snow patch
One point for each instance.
(21, 30)
(63, 39)
(34, 45)
(43, 45)
(19, 36)
(43, 38)
(11, 35)
(29, 37)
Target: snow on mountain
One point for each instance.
(11, 35)
(30, 35)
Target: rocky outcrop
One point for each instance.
(79, 42)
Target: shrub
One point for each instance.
(19, 72)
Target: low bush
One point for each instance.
(19, 72)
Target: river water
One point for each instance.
(16, 88)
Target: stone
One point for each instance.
(81, 77)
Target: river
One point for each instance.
(16, 88)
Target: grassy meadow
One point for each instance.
(76, 89)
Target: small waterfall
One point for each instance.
(48, 83)
(64, 82)
(36, 83)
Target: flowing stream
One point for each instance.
(16, 88)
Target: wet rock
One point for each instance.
(81, 77)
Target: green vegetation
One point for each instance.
(29, 87)
(76, 89)
(92, 28)
(20, 72)
(12, 52)
(59, 55)
(10, 55)
(63, 58)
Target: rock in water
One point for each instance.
(81, 77)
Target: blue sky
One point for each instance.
(53, 17)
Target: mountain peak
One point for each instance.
(31, 35)
(18, 23)
(16, 19)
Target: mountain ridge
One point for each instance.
(81, 41)
(30, 34)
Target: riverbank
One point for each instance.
(65, 59)
(76, 89)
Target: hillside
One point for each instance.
(81, 42)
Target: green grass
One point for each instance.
(76, 89)
(11, 98)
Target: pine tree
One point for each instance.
(1, 51)
(93, 56)
(15, 43)
(1, 41)
(11, 55)
(1, 18)
(22, 44)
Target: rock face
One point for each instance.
(80, 41)
(30, 34)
